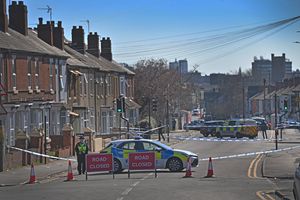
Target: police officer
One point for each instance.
(81, 150)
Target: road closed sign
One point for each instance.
(99, 162)
(141, 161)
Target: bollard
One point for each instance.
(276, 139)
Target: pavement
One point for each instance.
(279, 167)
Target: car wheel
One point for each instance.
(218, 134)
(175, 164)
(117, 166)
(238, 135)
(205, 134)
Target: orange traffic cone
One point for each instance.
(210, 171)
(70, 176)
(188, 172)
(32, 175)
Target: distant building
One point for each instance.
(261, 69)
(180, 66)
(281, 68)
(275, 70)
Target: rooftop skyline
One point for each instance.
(181, 29)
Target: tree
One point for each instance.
(153, 79)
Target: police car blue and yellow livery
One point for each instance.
(166, 157)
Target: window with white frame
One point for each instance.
(37, 72)
(85, 84)
(91, 84)
(104, 122)
(92, 119)
(1, 70)
(26, 122)
(108, 85)
(63, 118)
(29, 72)
(61, 79)
(51, 66)
(11, 137)
(111, 119)
(102, 86)
(122, 86)
(14, 72)
(85, 119)
(81, 88)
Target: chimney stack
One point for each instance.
(106, 48)
(58, 36)
(3, 16)
(78, 39)
(18, 17)
(93, 44)
(45, 31)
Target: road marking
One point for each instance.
(255, 166)
(135, 184)
(264, 195)
(126, 191)
(251, 166)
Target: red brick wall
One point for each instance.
(22, 80)
(13, 159)
(56, 142)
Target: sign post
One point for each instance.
(96, 162)
(142, 161)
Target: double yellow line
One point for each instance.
(252, 173)
(252, 170)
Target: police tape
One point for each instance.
(225, 140)
(250, 154)
(40, 154)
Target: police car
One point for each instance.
(166, 157)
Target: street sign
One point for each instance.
(96, 162)
(141, 161)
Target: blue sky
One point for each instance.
(131, 20)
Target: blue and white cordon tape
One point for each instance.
(39, 154)
(250, 154)
(223, 140)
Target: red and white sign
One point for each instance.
(141, 161)
(99, 162)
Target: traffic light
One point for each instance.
(154, 104)
(285, 104)
(121, 104)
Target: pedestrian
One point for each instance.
(264, 128)
(81, 150)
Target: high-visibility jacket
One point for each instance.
(81, 148)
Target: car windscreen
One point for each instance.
(162, 145)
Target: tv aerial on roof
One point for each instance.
(88, 24)
(49, 10)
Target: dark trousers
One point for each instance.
(264, 133)
(81, 163)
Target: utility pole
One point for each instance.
(276, 130)
(264, 103)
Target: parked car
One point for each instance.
(193, 125)
(196, 111)
(296, 185)
(167, 157)
(289, 125)
(209, 127)
(238, 128)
